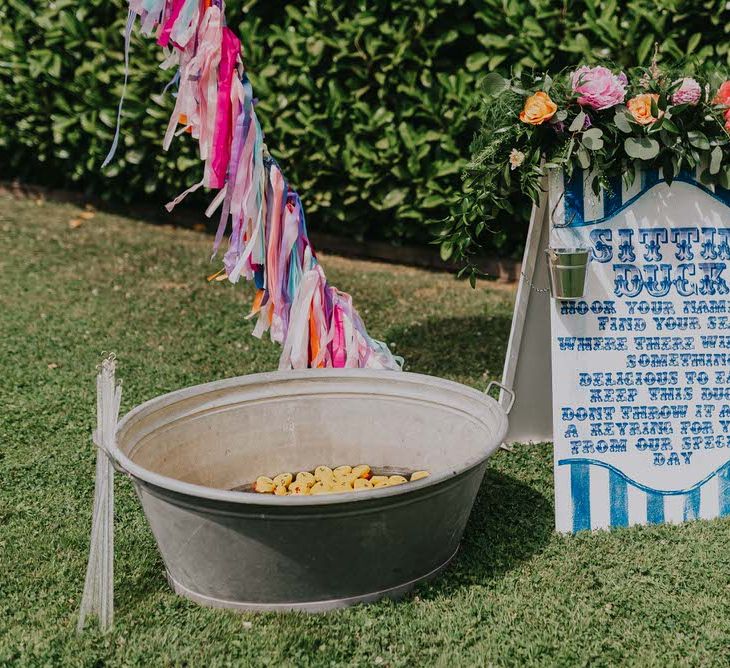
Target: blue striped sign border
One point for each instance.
(708, 498)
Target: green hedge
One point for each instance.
(370, 106)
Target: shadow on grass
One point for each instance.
(465, 346)
(510, 522)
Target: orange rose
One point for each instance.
(723, 95)
(727, 120)
(640, 108)
(538, 109)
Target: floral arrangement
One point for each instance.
(598, 119)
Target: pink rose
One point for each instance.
(598, 87)
(689, 92)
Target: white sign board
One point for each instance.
(641, 365)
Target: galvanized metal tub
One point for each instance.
(186, 450)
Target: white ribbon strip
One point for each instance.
(98, 596)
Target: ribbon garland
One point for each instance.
(315, 323)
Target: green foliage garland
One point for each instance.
(651, 124)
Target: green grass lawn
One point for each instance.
(517, 594)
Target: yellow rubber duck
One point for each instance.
(306, 477)
(396, 480)
(361, 471)
(324, 480)
(299, 488)
(343, 475)
(283, 479)
(323, 473)
(319, 488)
(264, 485)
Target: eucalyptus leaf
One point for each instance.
(584, 158)
(698, 140)
(644, 148)
(578, 122)
(592, 139)
(622, 122)
(493, 84)
(594, 133)
(715, 160)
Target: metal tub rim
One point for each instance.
(269, 380)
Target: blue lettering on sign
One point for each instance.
(657, 278)
(715, 244)
(649, 357)
(626, 252)
(601, 249)
(684, 237)
(652, 239)
(704, 278)
(711, 282)
(682, 284)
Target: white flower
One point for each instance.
(516, 158)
